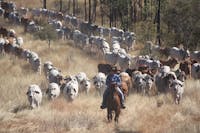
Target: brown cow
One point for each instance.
(18, 52)
(113, 103)
(186, 67)
(104, 68)
(126, 83)
(125, 89)
(3, 31)
(170, 62)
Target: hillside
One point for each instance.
(84, 115)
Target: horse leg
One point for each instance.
(109, 115)
(117, 112)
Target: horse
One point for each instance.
(113, 103)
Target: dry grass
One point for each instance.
(142, 114)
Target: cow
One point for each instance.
(163, 80)
(104, 68)
(111, 58)
(180, 75)
(177, 88)
(171, 62)
(48, 65)
(129, 40)
(35, 62)
(18, 41)
(143, 83)
(11, 33)
(55, 76)
(179, 54)
(2, 43)
(71, 89)
(99, 81)
(116, 32)
(3, 32)
(126, 83)
(195, 71)
(186, 67)
(1, 11)
(53, 91)
(124, 62)
(34, 95)
(195, 55)
(83, 82)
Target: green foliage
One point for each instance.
(47, 33)
(182, 21)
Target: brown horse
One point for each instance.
(113, 103)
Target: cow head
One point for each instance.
(53, 91)
(85, 85)
(71, 90)
(34, 95)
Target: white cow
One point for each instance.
(83, 81)
(179, 54)
(129, 40)
(195, 71)
(99, 81)
(116, 32)
(55, 76)
(111, 58)
(11, 33)
(34, 95)
(71, 89)
(177, 88)
(53, 91)
(48, 65)
(124, 62)
(19, 41)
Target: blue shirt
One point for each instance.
(113, 78)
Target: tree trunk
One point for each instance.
(74, 6)
(102, 14)
(135, 11)
(94, 10)
(158, 24)
(111, 14)
(85, 4)
(131, 11)
(44, 4)
(145, 10)
(69, 6)
(60, 5)
(89, 16)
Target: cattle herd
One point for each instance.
(139, 74)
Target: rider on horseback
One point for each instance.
(113, 77)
